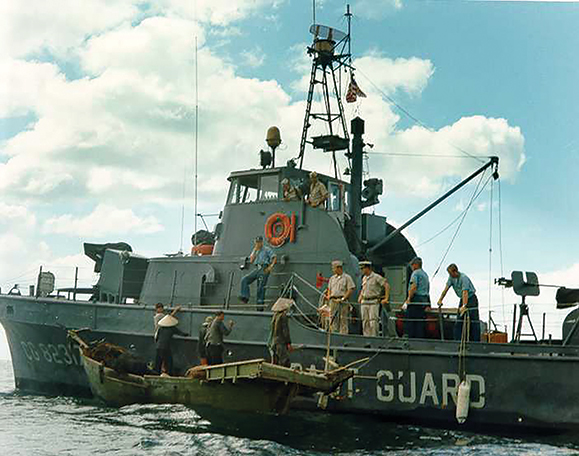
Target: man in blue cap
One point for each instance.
(417, 301)
(468, 304)
(265, 260)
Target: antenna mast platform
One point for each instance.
(330, 52)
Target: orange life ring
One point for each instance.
(278, 228)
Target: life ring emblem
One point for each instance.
(279, 228)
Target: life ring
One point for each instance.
(278, 229)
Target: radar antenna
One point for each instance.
(330, 52)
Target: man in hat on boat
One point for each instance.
(468, 304)
(290, 193)
(280, 340)
(417, 301)
(375, 293)
(201, 345)
(214, 338)
(265, 260)
(318, 192)
(167, 329)
(340, 288)
(160, 313)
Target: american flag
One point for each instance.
(354, 91)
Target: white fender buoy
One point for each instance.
(462, 401)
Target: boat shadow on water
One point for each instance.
(312, 431)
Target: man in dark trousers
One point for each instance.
(201, 345)
(280, 340)
(217, 331)
(167, 329)
(468, 304)
(417, 301)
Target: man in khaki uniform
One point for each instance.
(340, 288)
(318, 192)
(375, 291)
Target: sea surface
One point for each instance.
(33, 425)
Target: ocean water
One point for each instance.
(32, 425)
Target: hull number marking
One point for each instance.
(54, 354)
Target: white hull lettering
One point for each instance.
(435, 391)
(49, 353)
(411, 399)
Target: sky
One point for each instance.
(97, 125)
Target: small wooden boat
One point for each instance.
(244, 386)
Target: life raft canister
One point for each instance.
(202, 249)
(279, 228)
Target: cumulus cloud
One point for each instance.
(216, 12)
(130, 125)
(479, 135)
(123, 133)
(253, 57)
(409, 75)
(104, 220)
(16, 216)
(57, 26)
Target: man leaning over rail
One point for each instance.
(468, 304)
(318, 192)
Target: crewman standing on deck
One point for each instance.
(468, 304)
(374, 294)
(340, 288)
(280, 339)
(318, 192)
(417, 301)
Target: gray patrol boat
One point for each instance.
(523, 385)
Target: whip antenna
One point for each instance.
(196, 133)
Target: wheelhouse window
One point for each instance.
(243, 190)
(248, 189)
(269, 187)
(335, 197)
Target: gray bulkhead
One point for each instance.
(215, 279)
(254, 196)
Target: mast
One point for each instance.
(330, 52)
(356, 178)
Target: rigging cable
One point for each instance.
(490, 251)
(395, 154)
(474, 197)
(440, 232)
(501, 249)
(416, 120)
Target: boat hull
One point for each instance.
(513, 387)
(244, 395)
